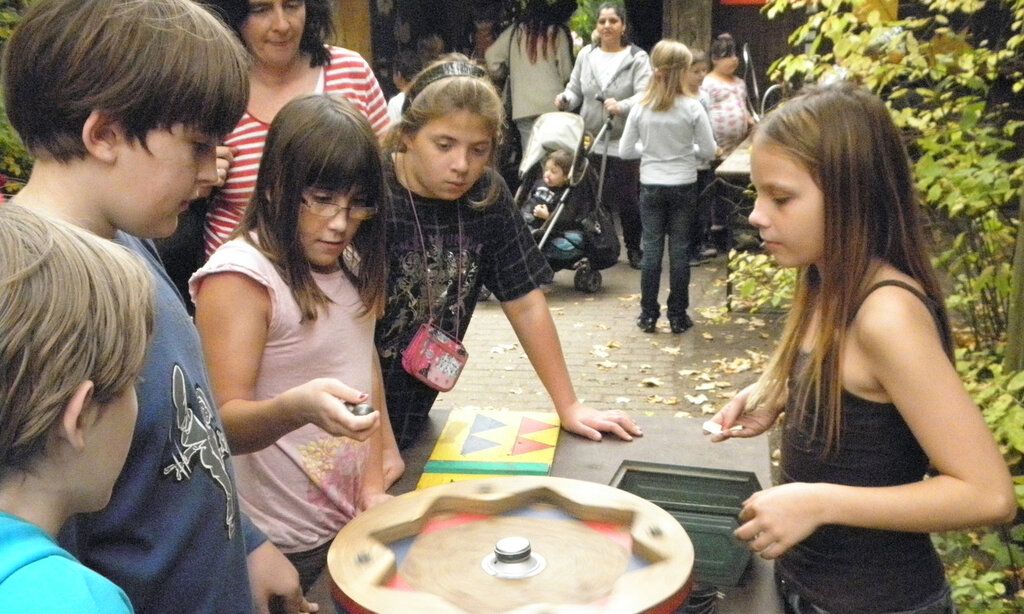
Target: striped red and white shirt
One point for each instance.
(349, 75)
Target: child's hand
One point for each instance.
(776, 519)
(322, 402)
(754, 421)
(225, 156)
(590, 423)
(541, 212)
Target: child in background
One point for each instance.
(407, 64)
(564, 245)
(675, 136)
(701, 247)
(76, 314)
(727, 95)
(547, 190)
(286, 312)
(454, 228)
(112, 156)
(863, 372)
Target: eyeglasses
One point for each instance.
(323, 205)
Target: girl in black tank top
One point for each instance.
(863, 373)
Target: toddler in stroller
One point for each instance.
(558, 200)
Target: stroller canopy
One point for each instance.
(553, 131)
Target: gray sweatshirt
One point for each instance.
(671, 144)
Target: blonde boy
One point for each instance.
(76, 313)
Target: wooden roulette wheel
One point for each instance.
(518, 544)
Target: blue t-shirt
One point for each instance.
(36, 575)
(172, 535)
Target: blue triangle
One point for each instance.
(484, 423)
(475, 444)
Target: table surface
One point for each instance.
(737, 163)
(667, 439)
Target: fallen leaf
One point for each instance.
(707, 386)
(607, 364)
(672, 350)
(686, 372)
(602, 326)
(682, 414)
(651, 382)
(502, 348)
(700, 399)
(614, 345)
(707, 336)
(708, 409)
(622, 400)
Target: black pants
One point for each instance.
(622, 194)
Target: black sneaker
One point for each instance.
(647, 323)
(635, 257)
(678, 325)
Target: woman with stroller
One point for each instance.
(607, 81)
(675, 134)
(455, 228)
(535, 56)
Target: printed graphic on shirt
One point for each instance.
(334, 466)
(199, 438)
(450, 279)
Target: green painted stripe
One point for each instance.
(478, 467)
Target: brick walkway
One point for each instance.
(613, 364)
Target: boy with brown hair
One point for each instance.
(76, 313)
(123, 102)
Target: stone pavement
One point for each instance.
(612, 363)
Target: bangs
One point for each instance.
(346, 163)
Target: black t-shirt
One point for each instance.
(494, 248)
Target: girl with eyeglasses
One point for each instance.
(286, 312)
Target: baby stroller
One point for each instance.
(587, 243)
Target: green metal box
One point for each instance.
(706, 502)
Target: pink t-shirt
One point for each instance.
(304, 488)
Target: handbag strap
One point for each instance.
(426, 266)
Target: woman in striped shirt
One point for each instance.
(290, 59)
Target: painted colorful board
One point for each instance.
(477, 443)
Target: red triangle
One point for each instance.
(524, 446)
(529, 425)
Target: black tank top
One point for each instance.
(848, 569)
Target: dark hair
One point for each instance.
(562, 159)
(318, 29)
(620, 10)
(541, 22)
(319, 141)
(723, 47)
(699, 57)
(408, 64)
(144, 65)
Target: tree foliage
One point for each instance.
(952, 74)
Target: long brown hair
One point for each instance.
(322, 142)
(845, 138)
(670, 60)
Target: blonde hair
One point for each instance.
(669, 59)
(452, 84)
(845, 138)
(73, 307)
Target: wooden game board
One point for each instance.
(477, 443)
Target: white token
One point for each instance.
(714, 428)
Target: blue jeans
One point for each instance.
(666, 211)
